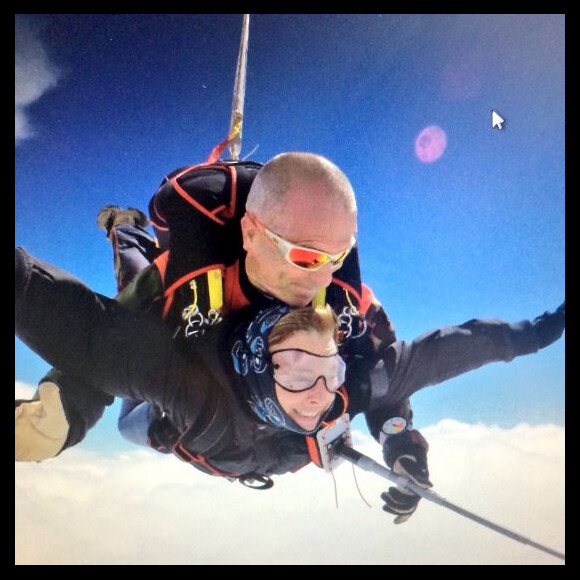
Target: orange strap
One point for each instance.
(312, 444)
(188, 457)
(210, 214)
(367, 299)
(344, 395)
(161, 264)
(234, 298)
(230, 210)
(313, 452)
(219, 148)
(349, 289)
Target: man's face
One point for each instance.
(309, 218)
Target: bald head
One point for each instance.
(305, 200)
(289, 174)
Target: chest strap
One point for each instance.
(311, 443)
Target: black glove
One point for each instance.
(400, 502)
(406, 455)
(550, 325)
(162, 434)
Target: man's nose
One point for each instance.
(323, 275)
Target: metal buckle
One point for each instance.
(256, 481)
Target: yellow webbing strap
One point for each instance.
(320, 299)
(216, 291)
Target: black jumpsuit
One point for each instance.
(128, 354)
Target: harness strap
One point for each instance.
(225, 211)
(319, 299)
(313, 451)
(216, 289)
(234, 297)
(348, 290)
(169, 293)
(198, 460)
(367, 299)
(161, 264)
(311, 443)
(219, 148)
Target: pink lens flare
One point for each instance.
(430, 144)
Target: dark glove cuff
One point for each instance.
(162, 435)
(410, 442)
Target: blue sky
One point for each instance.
(106, 105)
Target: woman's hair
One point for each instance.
(321, 319)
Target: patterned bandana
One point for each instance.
(252, 362)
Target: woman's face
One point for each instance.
(308, 406)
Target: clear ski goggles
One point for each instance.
(301, 256)
(298, 370)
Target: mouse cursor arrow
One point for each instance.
(496, 120)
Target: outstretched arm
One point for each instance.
(431, 359)
(84, 333)
(119, 352)
(448, 352)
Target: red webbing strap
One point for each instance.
(348, 288)
(313, 452)
(180, 451)
(219, 148)
(312, 444)
(161, 264)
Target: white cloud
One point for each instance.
(147, 508)
(23, 391)
(34, 74)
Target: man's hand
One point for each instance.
(162, 434)
(41, 427)
(400, 502)
(550, 325)
(406, 455)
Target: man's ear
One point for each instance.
(248, 232)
